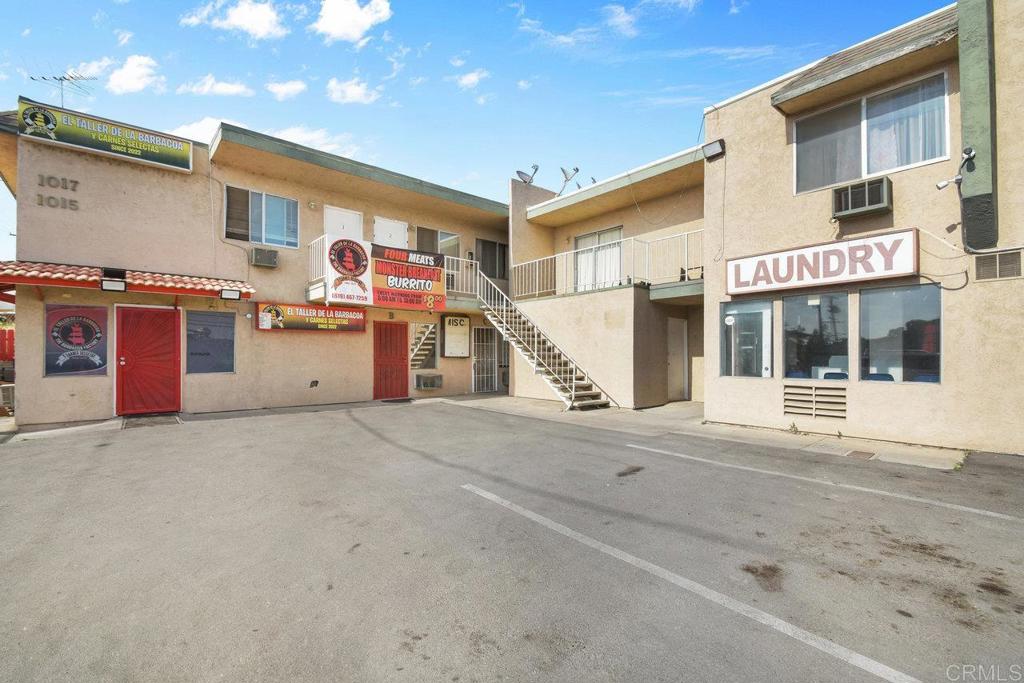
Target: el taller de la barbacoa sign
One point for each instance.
(58, 126)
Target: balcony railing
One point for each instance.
(676, 258)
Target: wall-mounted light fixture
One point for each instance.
(231, 294)
(311, 204)
(714, 149)
(109, 285)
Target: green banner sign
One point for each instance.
(64, 127)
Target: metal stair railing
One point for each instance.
(501, 305)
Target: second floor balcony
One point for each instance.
(633, 260)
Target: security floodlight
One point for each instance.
(113, 285)
(713, 149)
(528, 177)
(943, 184)
(568, 175)
(230, 294)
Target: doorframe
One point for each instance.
(472, 357)
(408, 358)
(686, 359)
(113, 347)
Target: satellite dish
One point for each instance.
(568, 175)
(528, 177)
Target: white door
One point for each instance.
(343, 223)
(389, 233)
(677, 361)
(485, 359)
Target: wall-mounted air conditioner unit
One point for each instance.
(862, 198)
(429, 381)
(998, 266)
(266, 258)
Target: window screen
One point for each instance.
(210, 346)
(426, 240)
(828, 148)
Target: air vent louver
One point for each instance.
(997, 266)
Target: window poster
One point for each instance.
(76, 340)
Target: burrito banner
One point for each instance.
(76, 340)
(407, 279)
(72, 129)
(310, 317)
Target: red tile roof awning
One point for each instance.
(88, 277)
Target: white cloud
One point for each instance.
(688, 5)
(95, 68)
(396, 59)
(208, 85)
(318, 138)
(26, 32)
(3, 76)
(620, 20)
(136, 74)
(524, 84)
(353, 91)
(287, 89)
(204, 129)
(417, 80)
(519, 6)
(574, 38)
(348, 20)
(470, 80)
(483, 99)
(123, 37)
(735, 6)
(457, 62)
(259, 20)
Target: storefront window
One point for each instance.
(816, 329)
(746, 333)
(900, 334)
(211, 342)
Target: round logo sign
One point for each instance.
(39, 121)
(348, 257)
(76, 333)
(729, 320)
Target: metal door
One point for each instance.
(148, 360)
(485, 359)
(390, 360)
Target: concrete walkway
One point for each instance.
(687, 417)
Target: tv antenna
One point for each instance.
(71, 78)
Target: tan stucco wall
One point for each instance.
(526, 240)
(618, 336)
(142, 218)
(1008, 25)
(751, 208)
(272, 369)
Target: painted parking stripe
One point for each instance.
(823, 644)
(850, 487)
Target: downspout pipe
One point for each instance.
(979, 218)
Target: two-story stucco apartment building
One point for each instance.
(156, 274)
(842, 255)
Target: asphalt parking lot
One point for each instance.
(437, 542)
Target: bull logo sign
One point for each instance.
(348, 275)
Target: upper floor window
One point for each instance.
(884, 132)
(437, 241)
(261, 218)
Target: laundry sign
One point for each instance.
(887, 255)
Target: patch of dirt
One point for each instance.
(933, 551)
(954, 598)
(769, 576)
(632, 469)
(904, 613)
(993, 584)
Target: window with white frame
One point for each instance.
(261, 218)
(884, 132)
(598, 260)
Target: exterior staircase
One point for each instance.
(573, 386)
(423, 347)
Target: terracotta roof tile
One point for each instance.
(58, 272)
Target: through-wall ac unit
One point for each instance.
(998, 266)
(429, 381)
(267, 258)
(862, 198)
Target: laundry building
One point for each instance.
(841, 255)
(156, 274)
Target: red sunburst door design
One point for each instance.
(148, 361)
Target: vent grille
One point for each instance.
(814, 401)
(267, 258)
(997, 266)
(862, 198)
(429, 381)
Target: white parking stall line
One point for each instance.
(822, 644)
(825, 482)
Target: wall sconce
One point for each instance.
(312, 205)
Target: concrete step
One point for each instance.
(591, 404)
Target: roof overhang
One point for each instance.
(259, 153)
(915, 46)
(89, 277)
(673, 173)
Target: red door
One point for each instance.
(148, 361)
(390, 360)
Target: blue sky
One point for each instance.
(458, 93)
